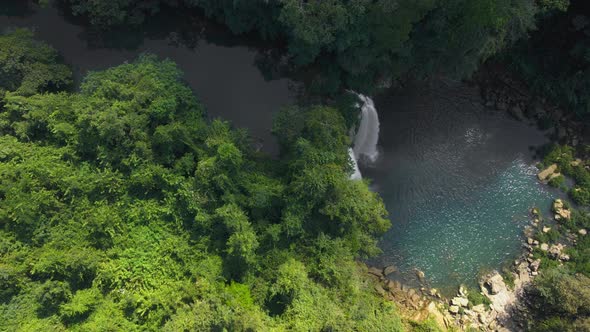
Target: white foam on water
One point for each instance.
(367, 136)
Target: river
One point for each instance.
(225, 78)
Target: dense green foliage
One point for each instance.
(561, 300)
(563, 157)
(357, 43)
(560, 296)
(28, 66)
(555, 61)
(123, 209)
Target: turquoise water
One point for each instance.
(459, 182)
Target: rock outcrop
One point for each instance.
(561, 211)
(547, 172)
(390, 269)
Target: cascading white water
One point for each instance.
(357, 172)
(367, 136)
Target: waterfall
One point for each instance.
(367, 135)
(357, 172)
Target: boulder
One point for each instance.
(379, 289)
(420, 275)
(438, 316)
(389, 270)
(582, 232)
(535, 265)
(460, 301)
(376, 272)
(547, 172)
(557, 204)
(495, 284)
(576, 162)
(462, 291)
(390, 284)
(555, 250)
(479, 308)
(564, 213)
(483, 318)
(561, 212)
(454, 309)
(544, 246)
(469, 313)
(523, 273)
(433, 292)
(546, 229)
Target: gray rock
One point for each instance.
(420, 275)
(454, 309)
(380, 289)
(555, 250)
(389, 270)
(479, 308)
(462, 291)
(495, 284)
(544, 174)
(390, 284)
(375, 271)
(483, 319)
(460, 301)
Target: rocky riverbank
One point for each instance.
(504, 92)
(500, 302)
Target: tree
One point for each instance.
(28, 66)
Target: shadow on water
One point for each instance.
(224, 70)
(16, 8)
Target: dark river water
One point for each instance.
(457, 179)
(224, 78)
